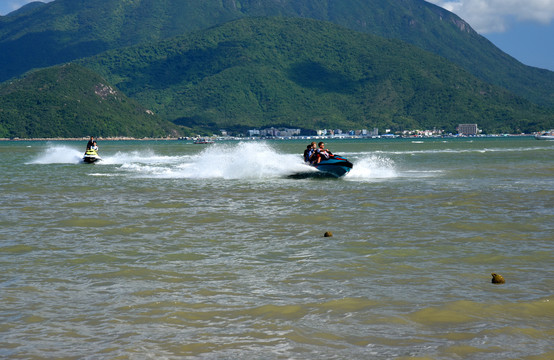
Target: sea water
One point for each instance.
(167, 249)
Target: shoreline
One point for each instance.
(123, 138)
(86, 138)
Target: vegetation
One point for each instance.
(279, 69)
(71, 101)
(65, 30)
(308, 74)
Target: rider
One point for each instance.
(309, 152)
(90, 143)
(321, 152)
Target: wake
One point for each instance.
(226, 161)
(370, 167)
(59, 154)
(245, 160)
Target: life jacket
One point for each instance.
(324, 154)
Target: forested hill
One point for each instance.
(309, 74)
(65, 30)
(71, 101)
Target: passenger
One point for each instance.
(94, 146)
(309, 152)
(322, 153)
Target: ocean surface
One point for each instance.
(169, 250)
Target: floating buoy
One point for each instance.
(328, 234)
(497, 279)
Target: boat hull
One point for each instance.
(91, 156)
(91, 159)
(336, 166)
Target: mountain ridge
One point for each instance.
(64, 30)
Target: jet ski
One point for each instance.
(336, 166)
(91, 156)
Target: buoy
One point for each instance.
(497, 279)
(328, 234)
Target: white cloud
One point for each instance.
(487, 16)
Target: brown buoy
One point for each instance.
(497, 279)
(328, 234)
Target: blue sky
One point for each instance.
(523, 29)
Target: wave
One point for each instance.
(456, 151)
(225, 161)
(146, 156)
(244, 160)
(258, 161)
(59, 154)
(372, 167)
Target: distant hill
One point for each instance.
(71, 101)
(309, 74)
(64, 30)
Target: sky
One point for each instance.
(524, 29)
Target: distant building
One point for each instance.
(269, 132)
(467, 129)
(274, 132)
(290, 132)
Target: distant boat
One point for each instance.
(203, 141)
(547, 135)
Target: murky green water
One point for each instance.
(169, 250)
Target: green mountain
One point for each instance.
(308, 74)
(72, 101)
(64, 30)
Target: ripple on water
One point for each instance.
(156, 255)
